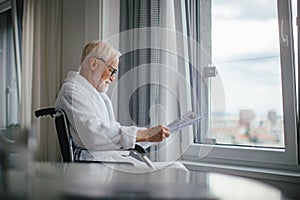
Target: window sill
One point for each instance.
(250, 172)
(284, 179)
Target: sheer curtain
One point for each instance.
(196, 44)
(176, 75)
(155, 70)
(41, 71)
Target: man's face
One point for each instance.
(107, 76)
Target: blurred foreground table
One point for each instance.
(41, 180)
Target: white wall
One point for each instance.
(111, 28)
(86, 20)
(111, 18)
(81, 23)
(73, 36)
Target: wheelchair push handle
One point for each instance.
(45, 111)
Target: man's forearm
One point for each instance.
(141, 136)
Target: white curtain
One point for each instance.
(41, 71)
(165, 77)
(175, 76)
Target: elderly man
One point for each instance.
(89, 109)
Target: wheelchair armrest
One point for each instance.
(103, 162)
(135, 153)
(139, 149)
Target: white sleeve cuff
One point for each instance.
(128, 136)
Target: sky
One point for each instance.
(245, 50)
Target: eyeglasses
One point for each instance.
(112, 69)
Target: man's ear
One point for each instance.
(93, 64)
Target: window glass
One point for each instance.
(9, 110)
(246, 52)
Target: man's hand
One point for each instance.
(153, 134)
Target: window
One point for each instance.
(246, 51)
(9, 66)
(252, 48)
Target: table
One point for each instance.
(44, 180)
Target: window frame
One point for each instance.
(11, 6)
(262, 156)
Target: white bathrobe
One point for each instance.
(90, 113)
(93, 125)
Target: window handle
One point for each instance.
(210, 71)
(284, 37)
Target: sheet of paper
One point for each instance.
(184, 120)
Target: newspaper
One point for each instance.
(184, 120)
